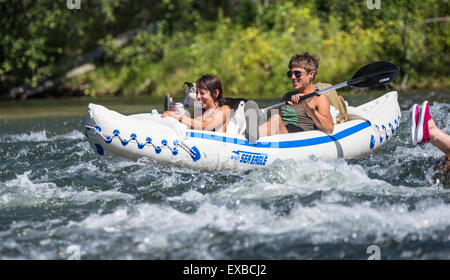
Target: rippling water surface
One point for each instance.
(58, 197)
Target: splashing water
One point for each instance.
(55, 192)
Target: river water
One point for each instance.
(60, 200)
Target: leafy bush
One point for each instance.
(247, 43)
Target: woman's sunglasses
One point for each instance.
(297, 73)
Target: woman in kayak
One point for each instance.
(424, 129)
(312, 113)
(215, 114)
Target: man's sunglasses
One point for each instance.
(297, 73)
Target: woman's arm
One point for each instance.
(218, 119)
(320, 113)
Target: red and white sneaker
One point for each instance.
(422, 132)
(413, 120)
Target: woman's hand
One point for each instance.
(170, 114)
(295, 99)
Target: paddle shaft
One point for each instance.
(308, 95)
(372, 74)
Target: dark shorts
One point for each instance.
(291, 128)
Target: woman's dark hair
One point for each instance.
(211, 82)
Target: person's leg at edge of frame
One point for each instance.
(427, 130)
(439, 138)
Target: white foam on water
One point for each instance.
(87, 196)
(23, 192)
(328, 222)
(150, 226)
(85, 167)
(18, 154)
(191, 195)
(42, 136)
(309, 176)
(81, 149)
(424, 151)
(73, 135)
(154, 226)
(440, 113)
(109, 222)
(39, 136)
(21, 233)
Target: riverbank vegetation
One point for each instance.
(247, 43)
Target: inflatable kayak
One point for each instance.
(168, 142)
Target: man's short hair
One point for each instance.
(307, 61)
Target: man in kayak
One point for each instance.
(312, 113)
(424, 129)
(215, 114)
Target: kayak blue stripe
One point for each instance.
(283, 144)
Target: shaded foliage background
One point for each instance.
(247, 43)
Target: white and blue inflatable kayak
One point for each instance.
(169, 142)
